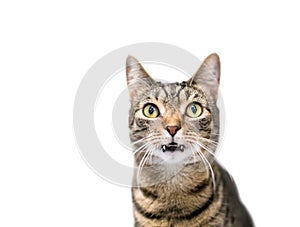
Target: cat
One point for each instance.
(174, 130)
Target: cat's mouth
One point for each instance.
(172, 147)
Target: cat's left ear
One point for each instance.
(138, 79)
(208, 76)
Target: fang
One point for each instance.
(181, 148)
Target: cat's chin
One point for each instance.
(176, 156)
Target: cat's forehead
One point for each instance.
(176, 93)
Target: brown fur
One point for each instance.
(185, 187)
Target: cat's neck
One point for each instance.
(177, 177)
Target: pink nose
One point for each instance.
(173, 129)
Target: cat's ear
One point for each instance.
(208, 76)
(138, 79)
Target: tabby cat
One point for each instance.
(174, 130)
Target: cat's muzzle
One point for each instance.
(172, 147)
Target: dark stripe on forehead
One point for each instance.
(157, 93)
(187, 94)
(171, 89)
(178, 93)
(162, 86)
(200, 93)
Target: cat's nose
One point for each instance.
(173, 129)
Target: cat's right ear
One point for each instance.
(138, 79)
(208, 76)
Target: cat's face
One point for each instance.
(173, 122)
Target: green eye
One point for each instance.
(193, 110)
(151, 111)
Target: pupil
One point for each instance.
(151, 110)
(194, 109)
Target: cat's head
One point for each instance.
(174, 122)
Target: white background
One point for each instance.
(47, 47)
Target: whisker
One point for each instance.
(140, 168)
(209, 140)
(203, 161)
(210, 169)
(150, 148)
(151, 156)
(202, 138)
(142, 147)
(194, 156)
(195, 152)
(206, 148)
(140, 140)
(206, 163)
(202, 146)
(148, 141)
(147, 137)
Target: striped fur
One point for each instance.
(177, 181)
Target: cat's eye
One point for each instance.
(151, 111)
(193, 110)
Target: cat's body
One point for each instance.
(174, 129)
(189, 199)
